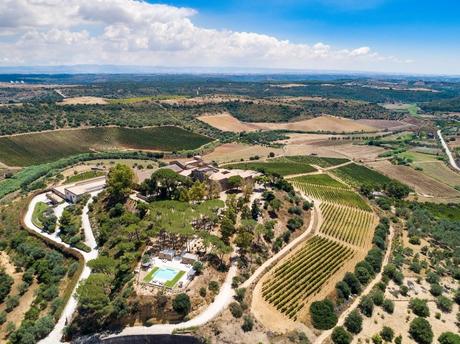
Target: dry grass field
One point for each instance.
(439, 171)
(232, 152)
(420, 182)
(84, 101)
(227, 122)
(383, 124)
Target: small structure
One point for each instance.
(74, 192)
(189, 258)
(167, 254)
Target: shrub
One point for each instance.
(420, 330)
(366, 306)
(377, 297)
(398, 340)
(11, 303)
(354, 322)
(181, 304)
(2, 317)
(323, 315)
(403, 290)
(248, 323)
(444, 304)
(388, 306)
(240, 294)
(362, 274)
(341, 336)
(419, 307)
(432, 277)
(449, 338)
(236, 310)
(457, 297)
(198, 267)
(376, 339)
(436, 289)
(387, 333)
(213, 286)
(203, 292)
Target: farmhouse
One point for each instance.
(74, 192)
(198, 169)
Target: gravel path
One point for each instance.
(56, 335)
(448, 152)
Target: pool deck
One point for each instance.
(176, 265)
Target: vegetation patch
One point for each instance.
(321, 179)
(30, 149)
(358, 175)
(83, 176)
(280, 166)
(37, 215)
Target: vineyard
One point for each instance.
(315, 160)
(358, 175)
(293, 283)
(347, 224)
(321, 180)
(333, 195)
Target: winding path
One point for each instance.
(56, 334)
(324, 335)
(448, 152)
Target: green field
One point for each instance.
(315, 160)
(31, 149)
(37, 215)
(358, 175)
(320, 179)
(281, 166)
(84, 176)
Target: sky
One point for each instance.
(393, 36)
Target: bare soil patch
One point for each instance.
(232, 152)
(421, 183)
(84, 101)
(226, 122)
(383, 124)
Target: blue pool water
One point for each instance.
(164, 274)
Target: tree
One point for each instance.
(11, 302)
(181, 304)
(419, 307)
(198, 267)
(323, 315)
(236, 310)
(227, 228)
(165, 184)
(353, 282)
(366, 306)
(6, 281)
(235, 182)
(119, 182)
(243, 240)
(420, 330)
(444, 304)
(362, 274)
(343, 290)
(197, 192)
(377, 297)
(388, 306)
(354, 322)
(449, 338)
(43, 326)
(248, 323)
(213, 286)
(341, 336)
(387, 333)
(255, 210)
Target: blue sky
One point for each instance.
(426, 31)
(402, 36)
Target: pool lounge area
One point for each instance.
(168, 274)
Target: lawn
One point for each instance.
(84, 176)
(37, 215)
(38, 148)
(281, 166)
(150, 274)
(172, 283)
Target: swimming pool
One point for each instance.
(164, 274)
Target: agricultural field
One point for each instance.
(30, 149)
(321, 179)
(334, 195)
(358, 175)
(279, 166)
(83, 176)
(347, 224)
(439, 171)
(293, 283)
(320, 161)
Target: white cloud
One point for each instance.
(45, 32)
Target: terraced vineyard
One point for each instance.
(333, 194)
(347, 224)
(293, 283)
